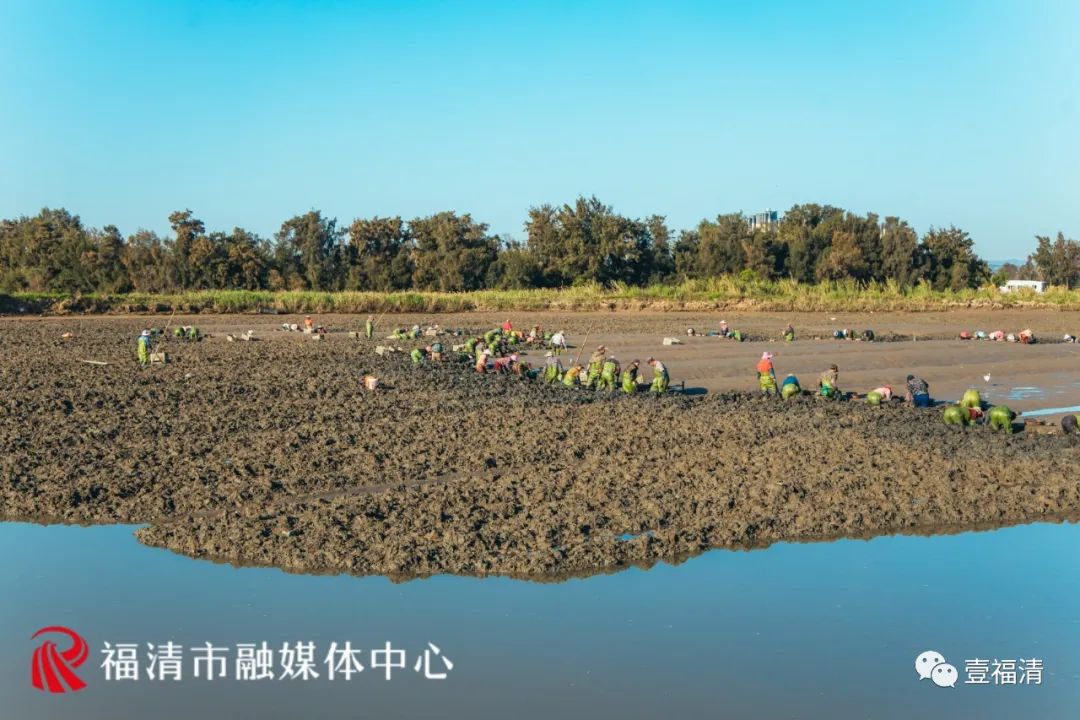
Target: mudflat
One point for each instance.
(271, 452)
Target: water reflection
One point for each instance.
(796, 630)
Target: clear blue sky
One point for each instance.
(943, 113)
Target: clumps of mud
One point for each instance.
(271, 453)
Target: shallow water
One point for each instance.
(1023, 393)
(797, 630)
(1052, 411)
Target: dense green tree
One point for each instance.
(661, 264)
(1056, 261)
(308, 252)
(585, 241)
(766, 257)
(104, 258)
(149, 264)
(866, 234)
(589, 242)
(722, 245)
(807, 231)
(187, 230)
(952, 262)
(901, 255)
(380, 254)
(246, 260)
(549, 246)
(685, 255)
(48, 251)
(452, 252)
(843, 258)
(514, 268)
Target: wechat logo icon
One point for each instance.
(931, 665)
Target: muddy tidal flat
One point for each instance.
(272, 453)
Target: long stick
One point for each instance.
(166, 330)
(375, 322)
(583, 344)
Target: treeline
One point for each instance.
(565, 245)
(1055, 261)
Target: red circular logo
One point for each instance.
(52, 670)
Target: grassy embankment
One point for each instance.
(727, 293)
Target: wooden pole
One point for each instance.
(166, 330)
(583, 344)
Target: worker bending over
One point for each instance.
(918, 392)
(1001, 418)
(827, 382)
(608, 372)
(570, 377)
(879, 395)
(660, 377)
(596, 363)
(553, 369)
(629, 378)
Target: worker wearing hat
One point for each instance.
(558, 342)
(609, 371)
(552, 368)
(572, 376)
(629, 377)
(827, 382)
(766, 374)
(596, 363)
(661, 379)
(142, 347)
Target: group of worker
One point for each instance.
(827, 383)
(1024, 337)
(497, 351)
(724, 331)
(847, 334)
(968, 411)
(144, 343)
(604, 372)
(787, 334)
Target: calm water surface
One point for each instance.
(827, 630)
